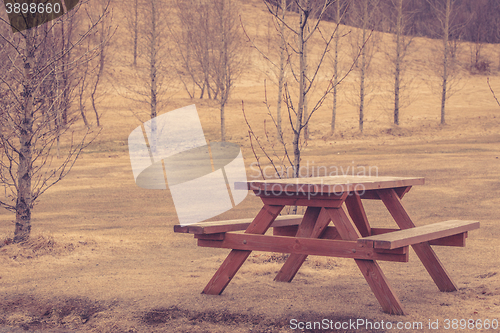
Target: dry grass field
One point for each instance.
(103, 256)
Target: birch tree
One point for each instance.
(28, 161)
(397, 56)
(132, 16)
(305, 72)
(363, 44)
(151, 81)
(227, 62)
(446, 11)
(339, 10)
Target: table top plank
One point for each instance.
(329, 184)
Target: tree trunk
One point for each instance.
(153, 76)
(302, 92)
(397, 71)
(222, 122)
(136, 29)
(304, 108)
(446, 34)
(23, 203)
(102, 57)
(281, 74)
(335, 67)
(363, 69)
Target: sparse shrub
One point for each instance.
(482, 66)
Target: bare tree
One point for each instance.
(210, 49)
(279, 69)
(225, 53)
(397, 55)
(339, 12)
(28, 164)
(305, 74)
(151, 80)
(445, 13)
(132, 24)
(93, 72)
(193, 42)
(363, 46)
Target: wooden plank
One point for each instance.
(309, 200)
(455, 240)
(358, 214)
(380, 231)
(219, 236)
(401, 191)
(233, 225)
(313, 225)
(332, 233)
(372, 194)
(419, 234)
(306, 227)
(379, 285)
(399, 250)
(345, 227)
(290, 231)
(300, 195)
(423, 250)
(236, 258)
(328, 232)
(301, 246)
(333, 184)
(369, 268)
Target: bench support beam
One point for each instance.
(236, 258)
(369, 268)
(423, 250)
(315, 221)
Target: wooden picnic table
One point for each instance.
(338, 200)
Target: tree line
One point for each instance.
(478, 19)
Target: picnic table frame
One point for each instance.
(338, 200)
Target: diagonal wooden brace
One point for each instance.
(314, 223)
(236, 258)
(369, 268)
(423, 250)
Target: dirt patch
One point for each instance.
(37, 246)
(31, 313)
(80, 314)
(163, 315)
(251, 323)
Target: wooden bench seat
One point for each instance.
(233, 225)
(400, 238)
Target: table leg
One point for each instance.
(236, 258)
(358, 215)
(369, 268)
(423, 250)
(314, 222)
